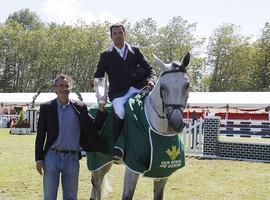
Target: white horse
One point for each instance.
(163, 109)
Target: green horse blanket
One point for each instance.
(145, 151)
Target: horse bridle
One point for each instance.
(165, 105)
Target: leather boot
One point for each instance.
(117, 128)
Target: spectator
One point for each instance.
(194, 116)
(63, 127)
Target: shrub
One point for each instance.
(21, 122)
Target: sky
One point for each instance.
(250, 15)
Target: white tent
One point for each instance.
(249, 100)
(22, 99)
(16, 98)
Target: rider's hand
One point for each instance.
(101, 106)
(150, 85)
(92, 83)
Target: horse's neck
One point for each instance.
(154, 111)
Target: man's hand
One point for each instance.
(150, 85)
(92, 83)
(40, 167)
(101, 106)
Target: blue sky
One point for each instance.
(250, 15)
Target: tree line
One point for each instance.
(32, 53)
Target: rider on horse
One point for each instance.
(128, 72)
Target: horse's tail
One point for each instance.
(106, 187)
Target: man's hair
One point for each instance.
(62, 76)
(117, 25)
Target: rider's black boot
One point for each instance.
(117, 128)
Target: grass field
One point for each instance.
(199, 180)
(253, 140)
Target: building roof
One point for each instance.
(253, 100)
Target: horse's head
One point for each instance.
(173, 91)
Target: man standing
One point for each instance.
(128, 72)
(63, 127)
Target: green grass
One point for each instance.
(199, 180)
(253, 140)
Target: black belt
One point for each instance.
(63, 151)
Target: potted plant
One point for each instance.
(21, 126)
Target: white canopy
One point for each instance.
(22, 99)
(251, 100)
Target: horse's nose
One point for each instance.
(176, 122)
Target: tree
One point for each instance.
(196, 72)
(33, 53)
(28, 19)
(11, 43)
(18, 50)
(73, 50)
(144, 35)
(176, 38)
(230, 60)
(263, 59)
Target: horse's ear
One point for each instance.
(160, 63)
(185, 60)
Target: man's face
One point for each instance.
(118, 36)
(62, 88)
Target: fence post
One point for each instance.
(32, 119)
(211, 131)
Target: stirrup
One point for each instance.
(117, 156)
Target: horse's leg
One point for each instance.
(130, 182)
(159, 185)
(96, 180)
